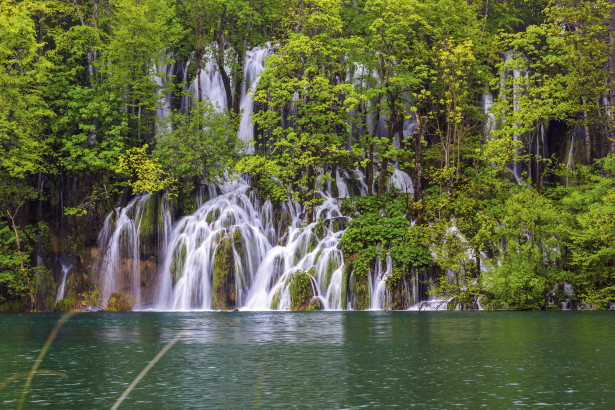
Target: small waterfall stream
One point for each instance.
(66, 267)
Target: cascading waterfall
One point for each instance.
(377, 283)
(119, 265)
(236, 250)
(234, 232)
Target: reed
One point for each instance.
(168, 346)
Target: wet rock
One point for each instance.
(301, 292)
(315, 304)
(358, 286)
(117, 303)
(224, 292)
(275, 301)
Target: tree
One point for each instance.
(307, 102)
(23, 76)
(199, 147)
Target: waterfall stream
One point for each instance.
(235, 250)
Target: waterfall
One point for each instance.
(119, 244)
(65, 267)
(377, 283)
(235, 250)
(236, 232)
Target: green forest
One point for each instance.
(511, 148)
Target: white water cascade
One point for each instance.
(235, 250)
(265, 248)
(65, 269)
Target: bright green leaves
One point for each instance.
(379, 228)
(308, 101)
(141, 33)
(23, 76)
(528, 268)
(147, 174)
(199, 147)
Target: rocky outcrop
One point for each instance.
(224, 290)
(302, 293)
(117, 303)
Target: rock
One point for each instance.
(223, 286)
(275, 301)
(315, 304)
(301, 292)
(117, 303)
(359, 291)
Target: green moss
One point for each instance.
(177, 264)
(66, 305)
(338, 224)
(345, 277)
(275, 301)
(45, 289)
(237, 236)
(76, 284)
(329, 269)
(301, 292)
(319, 229)
(359, 289)
(313, 243)
(117, 303)
(224, 294)
(147, 222)
(212, 215)
(18, 305)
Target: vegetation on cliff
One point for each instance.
(502, 114)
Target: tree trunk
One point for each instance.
(369, 170)
(588, 142)
(23, 268)
(241, 59)
(370, 164)
(199, 68)
(334, 191)
(418, 167)
(384, 167)
(612, 74)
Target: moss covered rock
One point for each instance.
(301, 292)
(359, 291)
(224, 293)
(345, 280)
(275, 301)
(315, 304)
(117, 303)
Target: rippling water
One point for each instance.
(316, 359)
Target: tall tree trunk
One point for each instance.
(199, 69)
(588, 141)
(239, 78)
(369, 170)
(23, 268)
(384, 168)
(221, 44)
(612, 75)
(370, 165)
(417, 173)
(334, 191)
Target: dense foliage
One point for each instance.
(502, 113)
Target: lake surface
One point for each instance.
(316, 359)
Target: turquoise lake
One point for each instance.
(316, 359)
